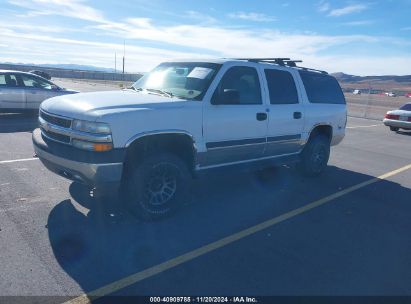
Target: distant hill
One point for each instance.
(383, 83)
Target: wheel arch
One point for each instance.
(178, 142)
(321, 129)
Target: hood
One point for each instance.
(90, 106)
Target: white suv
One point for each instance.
(185, 117)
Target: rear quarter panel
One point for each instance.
(316, 114)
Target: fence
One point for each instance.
(70, 73)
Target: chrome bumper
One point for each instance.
(397, 123)
(92, 174)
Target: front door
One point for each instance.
(235, 120)
(37, 90)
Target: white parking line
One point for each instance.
(355, 127)
(17, 160)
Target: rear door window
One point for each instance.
(322, 88)
(281, 87)
(8, 80)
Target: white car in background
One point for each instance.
(21, 91)
(357, 92)
(399, 119)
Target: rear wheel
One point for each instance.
(315, 155)
(394, 129)
(156, 186)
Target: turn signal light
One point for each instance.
(102, 147)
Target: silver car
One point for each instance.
(400, 118)
(20, 91)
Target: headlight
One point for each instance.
(91, 126)
(91, 146)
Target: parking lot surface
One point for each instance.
(57, 240)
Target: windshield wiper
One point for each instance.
(168, 94)
(135, 89)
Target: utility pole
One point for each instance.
(124, 56)
(115, 62)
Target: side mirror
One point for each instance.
(228, 97)
(55, 88)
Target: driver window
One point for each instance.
(34, 82)
(241, 79)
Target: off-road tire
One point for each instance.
(156, 186)
(315, 155)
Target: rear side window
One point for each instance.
(406, 107)
(322, 88)
(281, 87)
(8, 80)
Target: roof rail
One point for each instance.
(282, 62)
(312, 70)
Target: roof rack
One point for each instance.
(282, 62)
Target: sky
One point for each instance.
(355, 37)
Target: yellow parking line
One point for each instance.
(149, 272)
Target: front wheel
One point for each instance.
(394, 129)
(315, 155)
(156, 186)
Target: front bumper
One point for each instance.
(397, 123)
(96, 169)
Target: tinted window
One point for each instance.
(281, 87)
(406, 107)
(8, 80)
(242, 79)
(35, 82)
(322, 88)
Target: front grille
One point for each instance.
(56, 137)
(56, 120)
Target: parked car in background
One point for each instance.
(21, 91)
(408, 95)
(390, 94)
(399, 119)
(41, 74)
(357, 92)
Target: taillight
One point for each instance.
(392, 116)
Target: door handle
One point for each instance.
(297, 115)
(261, 116)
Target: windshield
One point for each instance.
(187, 80)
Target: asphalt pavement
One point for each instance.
(343, 233)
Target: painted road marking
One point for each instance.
(152, 271)
(355, 127)
(17, 160)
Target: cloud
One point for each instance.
(407, 28)
(359, 23)
(68, 8)
(323, 6)
(203, 18)
(257, 17)
(350, 9)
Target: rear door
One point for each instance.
(11, 93)
(286, 112)
(235, 131)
